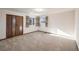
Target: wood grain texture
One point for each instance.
(14, 28)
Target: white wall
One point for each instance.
(3, 23)
(77, 26)
(2, 26)
(61, 23)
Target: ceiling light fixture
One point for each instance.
(39, 9)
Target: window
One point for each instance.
(29, 20)
(40, 21)
(44, 20)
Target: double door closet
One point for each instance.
(14, 25)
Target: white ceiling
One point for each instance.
(32, 11)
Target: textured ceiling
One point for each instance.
(32, 11)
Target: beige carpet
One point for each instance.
(38, 41)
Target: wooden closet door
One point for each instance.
(8, 26)
(13, 25)
(19, 25)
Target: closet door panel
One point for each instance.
(13, 25)
(19, 25)
(8, 26)
(21, 28)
